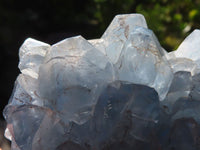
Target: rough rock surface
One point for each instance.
(120, 92)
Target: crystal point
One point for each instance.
(189, 48)
(141, 62)
(31, 55)
(118, 31)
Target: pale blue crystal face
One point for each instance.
(118, 32)
(121, 91)
(190, 47)
(141, 62)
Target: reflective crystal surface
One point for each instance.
(122, 91)
(141, 62)
(189, 48)
(118, 32)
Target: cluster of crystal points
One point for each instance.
(120, 92)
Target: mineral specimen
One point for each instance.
(120, 92)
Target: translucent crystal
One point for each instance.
(122, 91)
(117, 33)
(25, 91)
(190, 47)
(195, 90)
(180, 87)
(185, 108)
(73, 75)
(31, 55)
(183, 64)
(99, 44)
(141, 62)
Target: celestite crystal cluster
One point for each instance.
(120, 92)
